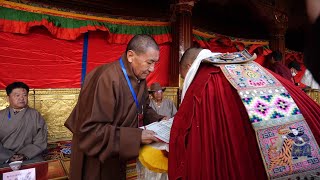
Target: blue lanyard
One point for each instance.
(9, 115)
(129, 84)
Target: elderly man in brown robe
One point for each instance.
(23, 132)
(112, 103)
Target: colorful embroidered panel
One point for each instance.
(286, 143)
(235, 57)
(269, 106)
(267, 102)
(248, 76)
(288, 150)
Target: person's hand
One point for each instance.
(17, 157)
(147, 137)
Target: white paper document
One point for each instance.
(162, 129)
(26, 174)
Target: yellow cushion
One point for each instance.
(153, 159)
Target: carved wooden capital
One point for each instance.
(280, 22)
(184, 6)
(280, 17)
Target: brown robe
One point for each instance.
(24, 133)
(104, 123)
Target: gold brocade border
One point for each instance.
(55, 106)
(40, 10)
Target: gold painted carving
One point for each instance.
(172, 94)
(314, 94)
(55, 105)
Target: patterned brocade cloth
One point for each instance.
(287, 145)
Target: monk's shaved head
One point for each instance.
(142, 53)
(190, 55)
(140, 43)
(187, 59)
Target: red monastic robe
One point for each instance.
(212, 137)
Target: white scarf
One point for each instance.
(205, 53)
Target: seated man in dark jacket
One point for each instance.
(23, 132)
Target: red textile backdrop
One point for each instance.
(100, 52)
(42, 61)
(260, 51)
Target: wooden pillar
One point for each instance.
(181, 36)
(278, 29)
(272, 12)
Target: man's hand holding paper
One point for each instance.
(148, 137)
(161, 129)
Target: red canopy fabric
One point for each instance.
(42, 61)
(261, 53)
(101, 52)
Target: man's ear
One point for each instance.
(130, 55)
(189, 65)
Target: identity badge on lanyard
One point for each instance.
(140, 115)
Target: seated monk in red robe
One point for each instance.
(212, 137)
